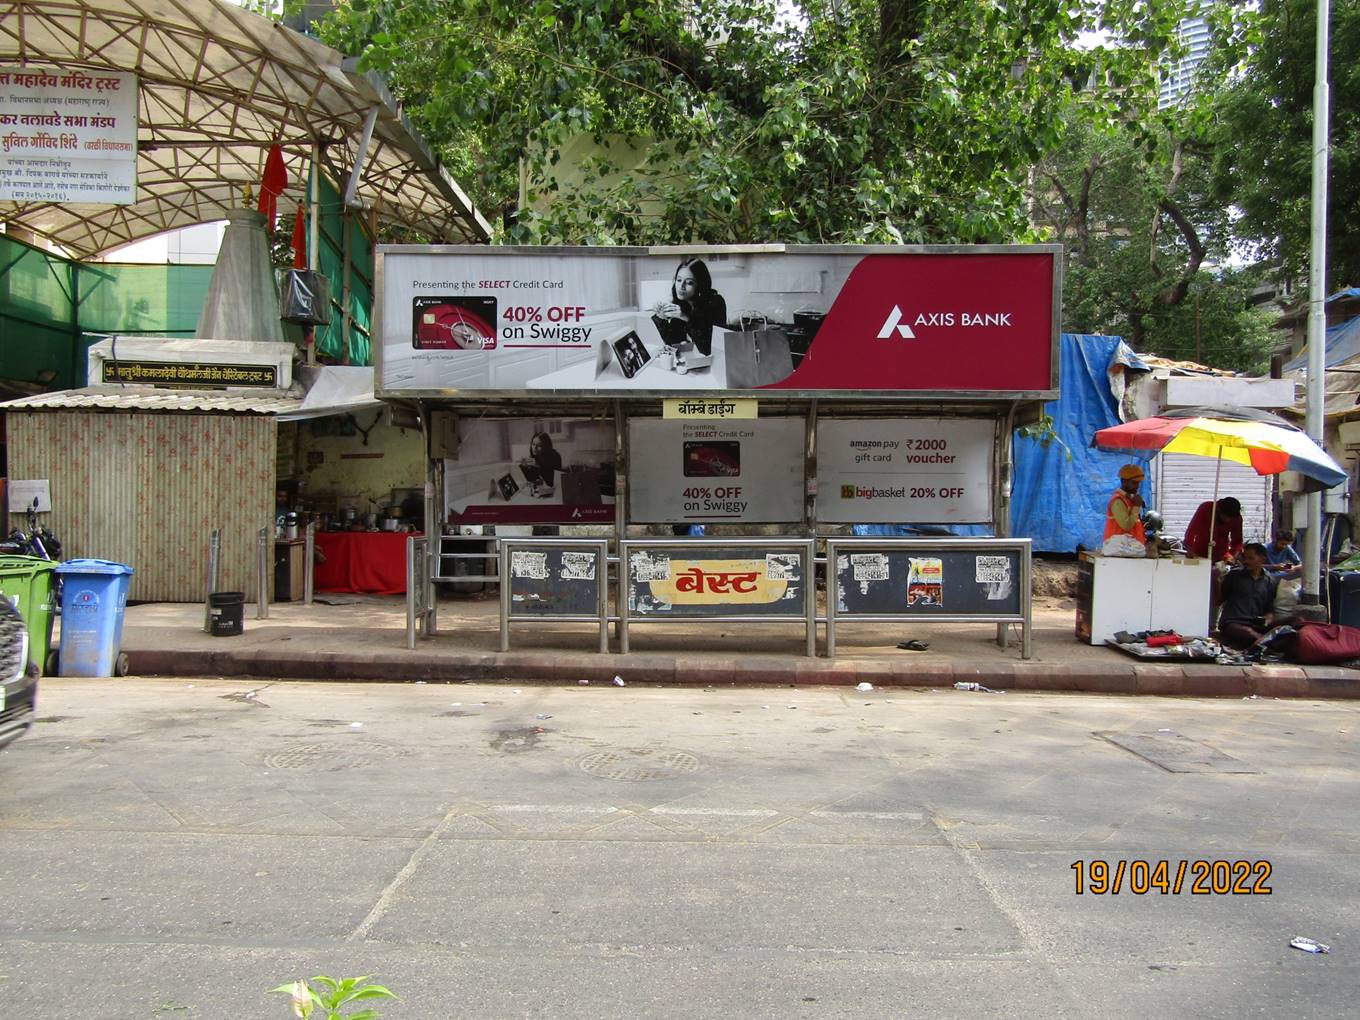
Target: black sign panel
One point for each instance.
(555, 582)
(699, 580)
(196, 374)
(928, 582)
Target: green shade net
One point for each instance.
(52, 309)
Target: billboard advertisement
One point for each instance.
(905, 470)
(531, 471)
(67, 135)
(808, 319)
(691, 472)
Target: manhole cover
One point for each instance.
(1176, 753)
(638, 764)
(332, 755)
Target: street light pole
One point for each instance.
(1317, 302)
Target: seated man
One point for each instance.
(1281, 558)
(1247, 598)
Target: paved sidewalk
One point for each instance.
(364, 638)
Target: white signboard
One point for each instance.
(710, 472)
(25, 492)
(67, 136)
(905, 470)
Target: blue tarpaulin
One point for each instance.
(1059, 491)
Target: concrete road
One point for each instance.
(173, 848)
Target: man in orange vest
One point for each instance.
(1123, 516)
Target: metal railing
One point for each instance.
(985, 583)
(717, 612)
(537, 575)
(419, 590)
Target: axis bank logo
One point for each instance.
(897, 323)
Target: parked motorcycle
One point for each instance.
(35, 540)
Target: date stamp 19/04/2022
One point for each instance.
(1171, 878)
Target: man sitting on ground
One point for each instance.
(1247, 598)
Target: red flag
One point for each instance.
(300, 238)
(273, 182)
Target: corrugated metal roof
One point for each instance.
(150, 398)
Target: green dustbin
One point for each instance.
(28, 583)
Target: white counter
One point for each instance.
(1116, 593)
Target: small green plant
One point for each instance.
(308, 1003)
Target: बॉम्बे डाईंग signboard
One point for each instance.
(822, 321)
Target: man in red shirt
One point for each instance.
(1227, 530)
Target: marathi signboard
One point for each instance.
(196, 375)
(905, 470)
(686, 472)
(716, 580)
(531, 471)
(68, 136)
(813, 320)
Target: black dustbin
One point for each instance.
(1343, 596)
(226, 611)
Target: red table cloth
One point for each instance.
(366, 562)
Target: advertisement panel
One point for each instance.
(531, 471)
(815, 320)
(690, 472)
(905, 470)
(67, 135)
(721, 580)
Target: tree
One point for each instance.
(753, 120)
(1264, 125)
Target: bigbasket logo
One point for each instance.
(894, 322)
(847, 492)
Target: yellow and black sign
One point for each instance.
(192, 374)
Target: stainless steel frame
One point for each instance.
(214, 554)
(600, 547)
(418, 589)
(806, 547)
(263, 546)
(916, 396)
(835, 546)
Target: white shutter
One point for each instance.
(1183, 481)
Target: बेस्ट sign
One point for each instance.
(67, 135)
(687, 472)
(196, 374)
(714, 581)
(905, 470)
(812, 320)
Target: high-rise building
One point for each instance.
(1178, 77)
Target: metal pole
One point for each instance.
(622, 598)
(832, 594)
(214, 551)
(810, 595)
(505, 596)
(1027, 598)
(309, 563)
(262, 545)
(602, 578)
(1317, 303)
(411, 608)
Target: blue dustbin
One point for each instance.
(93, 599)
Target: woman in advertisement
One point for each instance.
(542, 465)
(693, 310)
